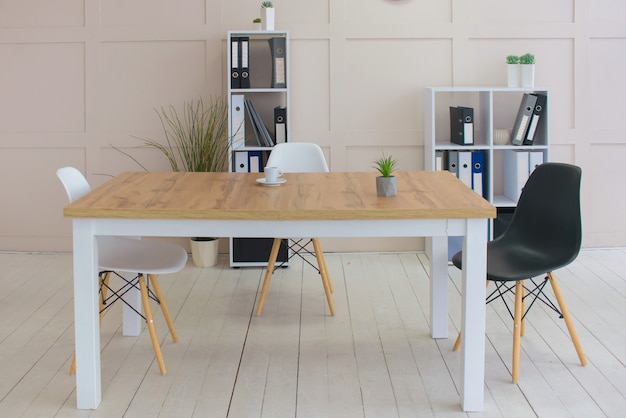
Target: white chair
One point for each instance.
(127, 255)
(298, 157)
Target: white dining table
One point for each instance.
(428, 204)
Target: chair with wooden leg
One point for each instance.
(143, 260)
(298, 157)
(545, 234)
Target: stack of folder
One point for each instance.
(528, 117)
(262, 135)
(239, 62)
(468, 166)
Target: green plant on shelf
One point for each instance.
(527, 59)
(256, 20)
(512, 59)
(267, 5)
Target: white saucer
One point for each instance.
(278, 182)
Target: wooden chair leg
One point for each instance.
(322, 259)
(568, 319)
(321, 263)
(523, 324)
(517, 328)
(145, 300)
(103, 295)
(164, 308)
(268, 275)
(457, 343)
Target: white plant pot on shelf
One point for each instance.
(527, 75)
(267, 18)
(204, 251)
(512, 75)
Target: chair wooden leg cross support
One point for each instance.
(520, 311)
(146, 294)
(321, 266)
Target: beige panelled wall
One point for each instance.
(80, 76)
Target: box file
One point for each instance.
(244, 66)
(453, 162)
(538, 110)
(516, 164)
(465, 167)
(478, 172)
(237, 120)
(522, 120)
(279, 69)
(241, 162)
(280, 124)
(235, 80)
(535, 159)
(462, 125)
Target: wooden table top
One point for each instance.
(305, 196)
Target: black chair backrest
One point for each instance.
(547, 218)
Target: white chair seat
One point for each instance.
(140, 256)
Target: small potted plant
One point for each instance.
(512, 68)
(267, 15)
(256, 23)
(527, 70)
(386, 183)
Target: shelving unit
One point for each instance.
(494, 108)
(246, 153)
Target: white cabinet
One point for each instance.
(257, 73)
(495, 109)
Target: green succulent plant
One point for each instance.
(267, 5)
(386, 165)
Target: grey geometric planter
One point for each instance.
(386, 186)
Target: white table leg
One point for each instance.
(131, 322)
(439, 287)
(86, 317)
(473, 316)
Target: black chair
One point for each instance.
(544, 234)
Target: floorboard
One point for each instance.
(374, 358)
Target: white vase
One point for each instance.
(267, 18)
(512, 75)
(204, 251)
(527, 75)
(256, 26)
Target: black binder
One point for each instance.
(462, 125)
(540, 105)
(279, 69)
(235, 79)
(522, 121)
(244, 56)
(280, 124)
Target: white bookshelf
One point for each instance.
(251, 252)
(494, 108)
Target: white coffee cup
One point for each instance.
(272, 174)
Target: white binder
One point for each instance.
(465, 167)
(535, 159)
(241, 162)
(516, 164)
(237, 119)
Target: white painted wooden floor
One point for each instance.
(373, 359)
